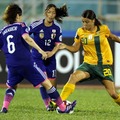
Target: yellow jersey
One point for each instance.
(96, 46)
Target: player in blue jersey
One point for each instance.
(47, 34)
(14, 40)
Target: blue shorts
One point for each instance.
(48, 66)
(29, 72)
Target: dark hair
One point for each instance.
(11, 12)
(91, 15)
(60, 12)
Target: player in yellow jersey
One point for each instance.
(93, 36)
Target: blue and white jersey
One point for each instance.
(45, 37)
(15, 48)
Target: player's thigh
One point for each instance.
(77, 76)
(34, 75)
(13, 77)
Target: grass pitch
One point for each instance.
(92, 104)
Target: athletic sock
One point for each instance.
(117, 100)
(8, 97)
(67, 90)
(54, 95)
(45, 96)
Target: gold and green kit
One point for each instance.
(97, 52)
(95, 44)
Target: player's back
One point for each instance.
(14, 46)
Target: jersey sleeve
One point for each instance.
(107, 31)
(33, 27)
(77, 36)
(24, 28)
(58, 35)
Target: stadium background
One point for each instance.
(108, 11)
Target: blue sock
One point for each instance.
(54, 95)
(45, 96)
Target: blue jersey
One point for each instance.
(45, 37)
(15, 48)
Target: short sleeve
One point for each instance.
(24, 28)
(106, 31)
(77, 36)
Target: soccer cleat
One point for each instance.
(4, 110)
(69, 108)
(51, 107)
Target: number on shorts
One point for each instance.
(53, 73)
(107, 72)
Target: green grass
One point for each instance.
(92, 104)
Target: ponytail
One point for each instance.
(60, 12)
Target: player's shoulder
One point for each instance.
(103, 27)
(80, 30)
(22, 24)
(36, 23)
(57, 24)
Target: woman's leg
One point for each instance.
(110, 87)
(70, 85)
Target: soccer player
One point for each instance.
(98, 59)
(14, 40)
(47, 34)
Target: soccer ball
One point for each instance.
(66, 102)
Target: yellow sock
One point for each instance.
(67, 90)
(117, 100)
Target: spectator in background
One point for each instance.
(14, 40)
(47, 34)
(98, 59)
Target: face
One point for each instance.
(88, 24)
(50, 14)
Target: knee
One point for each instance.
(10, 91)
(73, 78)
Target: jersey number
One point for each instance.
(53, 73)
(10, 45)
(107, 72)
(47, 42)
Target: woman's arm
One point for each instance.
(74, 48)
(114, 38)
(55, 49)
(31, 42)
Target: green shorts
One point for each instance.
(100, 72)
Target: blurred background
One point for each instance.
(108, 12)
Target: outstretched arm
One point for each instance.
(55, 49)
(74, 48)
(114, 38)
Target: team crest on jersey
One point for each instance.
(53, 35)
(41, 34)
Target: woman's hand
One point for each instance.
(44, 55)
